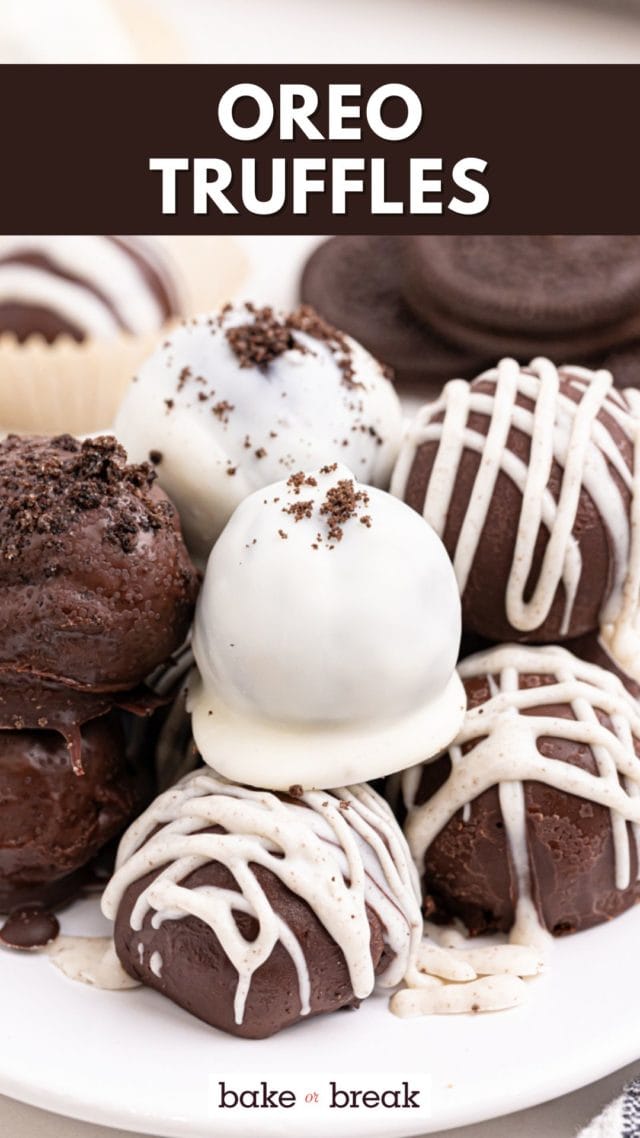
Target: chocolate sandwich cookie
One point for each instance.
(561, 296)
(356, 283)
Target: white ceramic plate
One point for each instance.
(134, 1060)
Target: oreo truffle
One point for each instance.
(254, 910)
(530, 820)
(96, 582)
(326, 637)
(235, 401)
(54, 818)
(529, 477)
(84, 286)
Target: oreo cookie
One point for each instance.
(354, 282)
(561, 296)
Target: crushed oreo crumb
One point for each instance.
(46, 485)
(266, 336)
(222, 410)
(341, 504)
(299, 510)
(261, 340)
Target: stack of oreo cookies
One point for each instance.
(435, 307)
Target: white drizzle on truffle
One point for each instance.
(94, 283)
(341, 851)
(502, 750)
(563, 430)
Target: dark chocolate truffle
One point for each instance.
(83, 286)
(54, 820)
(528, 477)
(97, 585)
(531, 818)
(275, 907)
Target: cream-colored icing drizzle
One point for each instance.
(561, 429)
(504, 753)
(526, 926)
(341, 851)
(620, 633)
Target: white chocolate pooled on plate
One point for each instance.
(326, 637)
(235, 401)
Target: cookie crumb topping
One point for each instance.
(46, 485)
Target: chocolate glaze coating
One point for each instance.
(197, 974)
(483, 600)
(467, 871)
(53, 822)
(97, 585)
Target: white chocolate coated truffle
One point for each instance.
(234, 402)
(326, 637)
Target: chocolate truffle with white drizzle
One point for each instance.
(531, 821)
(528, 475)
(253, 910)
(83, 286)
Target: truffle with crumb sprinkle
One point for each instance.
(326, 646)
(97, 585)
(238, 400)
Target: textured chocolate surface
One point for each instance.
(97, 585)
(467, 871)
(54, 821)
(355, 282)
(197, 974)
